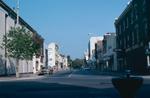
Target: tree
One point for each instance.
(20, 45)
(69, 61)
(77, 63)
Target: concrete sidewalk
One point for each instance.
(62, 72)
(22, 77)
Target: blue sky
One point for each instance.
(68, 22)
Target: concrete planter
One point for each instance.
(127, 86)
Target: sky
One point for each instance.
(69, 22)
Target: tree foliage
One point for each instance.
(77, 63)
(20, 44)
(69, 61)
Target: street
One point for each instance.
(68, 84)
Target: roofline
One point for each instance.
(124, 12)
(21, 21)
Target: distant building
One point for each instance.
(86, 55)
(53, 55)
(109, 55)
(91, 47)
(99, 54)
(133, 37)
(38, 58)
(86, 58)
(45, 59)
(63, 62)
(56, 60)
(92, 42)
(8, 19)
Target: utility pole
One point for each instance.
(5, 44)
(17, 25)
(17, 12)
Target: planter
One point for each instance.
(127, 86)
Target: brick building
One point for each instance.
(133, 36)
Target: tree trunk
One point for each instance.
(17, 68)
(27, 67)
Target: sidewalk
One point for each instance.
(116, 74)
(105, 73)
(62, 73)
(22, 77)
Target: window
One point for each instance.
(136, 15)
(120, 44)
(135, 5)
(117, 30)
(144, 2)
(137, 35)
(146, 29)
(128, 40)
(120, 29)
(133, 40)
(124, 25)
(132, 18)
(127, 22)
(135, 11)
(137, 32)
(124, 43)
(148, 61)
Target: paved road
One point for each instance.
(75, 84)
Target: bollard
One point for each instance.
(127, 86)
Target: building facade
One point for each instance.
(56, 61)
(99, 54)
(63, 62)
(91, 50)
(109, 55)
(53, 55)
(86, 58)
(8, 19)
(133, 36)
(91, 45)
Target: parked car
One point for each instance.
(50, 71)
(42, 71)
(86, 68)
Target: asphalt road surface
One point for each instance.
(75, 84)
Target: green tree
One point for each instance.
(77, 63)
(20, 45)
(69, 61)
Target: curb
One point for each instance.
(3, 79)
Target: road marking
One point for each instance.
(70, 75)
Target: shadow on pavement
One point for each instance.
(144, 91)
(52, 90)
(30, 89)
